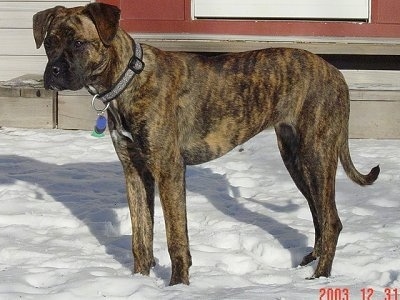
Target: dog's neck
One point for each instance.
(134, 66)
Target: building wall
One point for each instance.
(178, 16)
(375, 94)
(18, 53)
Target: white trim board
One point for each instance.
(282, 9)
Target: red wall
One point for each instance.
(174, 16)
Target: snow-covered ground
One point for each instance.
(65, 228)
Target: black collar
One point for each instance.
(135, 66)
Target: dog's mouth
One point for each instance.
(60, 84)
(50, 84)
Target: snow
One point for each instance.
(65, 228)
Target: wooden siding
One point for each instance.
(25, 103)
(18, 53)
(375, 106)
(75, 110)
(375, 103)
(236, 43)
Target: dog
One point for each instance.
(168, 110)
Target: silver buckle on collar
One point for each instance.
(98, 110)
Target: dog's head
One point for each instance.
(77, 42)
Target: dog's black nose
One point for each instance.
(56, 70)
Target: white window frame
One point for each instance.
(282, 9)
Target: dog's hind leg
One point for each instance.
(322, 184)
(288, 144)
(317, 183)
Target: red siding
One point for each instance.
(174, 16)
(153, 10)
(386, 11)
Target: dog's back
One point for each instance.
(222, 101)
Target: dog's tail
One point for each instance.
(351, 170)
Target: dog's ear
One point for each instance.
(106, 18)
(41, 23)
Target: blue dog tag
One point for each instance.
(100, 126)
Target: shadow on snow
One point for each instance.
(81, 186)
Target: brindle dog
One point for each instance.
(185, 109)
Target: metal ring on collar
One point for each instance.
(97, 109)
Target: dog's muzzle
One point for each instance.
(58, 76)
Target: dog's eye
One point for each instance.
(78, 44)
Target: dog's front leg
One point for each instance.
(140, 194)
(173, 199)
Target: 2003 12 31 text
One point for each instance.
(364, 294)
